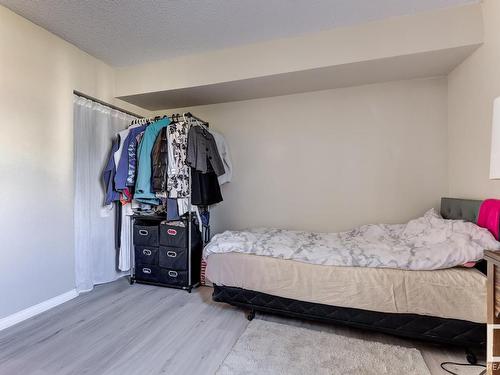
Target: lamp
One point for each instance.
(495, 141)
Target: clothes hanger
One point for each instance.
(201, 125)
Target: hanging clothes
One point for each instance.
(122, 135)
(202, 151)
(223, 150)
(108, 175)
(159, 156)
(206, 164)
(150, 165)
(172, 209)
(143, 192)
(122, 169)
(135, 138)
(205, 188)
(125, 243)
(118, 226)
(177, 171)
(182, 206)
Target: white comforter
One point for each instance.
(427, 243)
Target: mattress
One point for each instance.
(456, 293)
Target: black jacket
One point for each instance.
(159, 162)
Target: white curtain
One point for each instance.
(96, 259)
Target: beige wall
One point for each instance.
(472, 86)
(330, 160)
(38, 73)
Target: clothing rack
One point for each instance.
(190, 211)
(204, 231)
(175, 116)
(189, 114)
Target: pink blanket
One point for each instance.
(489, 216)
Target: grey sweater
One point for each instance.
(202, 150)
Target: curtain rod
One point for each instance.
(106, 104)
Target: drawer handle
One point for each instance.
(146, 270)
(146, 252)
(171, 254)
(143, 232)
(172, 273)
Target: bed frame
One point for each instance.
(469, 335)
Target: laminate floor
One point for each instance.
(141, 329)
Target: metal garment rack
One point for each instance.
(190, 208)
(190, 285)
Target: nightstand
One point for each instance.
(493, 310)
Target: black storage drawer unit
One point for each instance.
(146, 255)
(161, 252)
(146, 234)
(173, 258)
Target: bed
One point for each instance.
(445, 306)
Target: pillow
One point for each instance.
(420, 229)
(432, 213)
(433, 229)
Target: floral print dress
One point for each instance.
(178, 170)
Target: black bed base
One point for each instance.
(454, 332)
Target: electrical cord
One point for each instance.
(461, 364)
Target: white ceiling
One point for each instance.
(128, 32)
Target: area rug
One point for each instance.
(271, 348)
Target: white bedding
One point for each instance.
(427, 243)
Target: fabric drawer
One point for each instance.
(146, 235)
(146, 255)
(174, 258)
(146, 272)
(177, 236)
(173, 236)
(173, 277)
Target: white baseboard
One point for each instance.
(19, 316)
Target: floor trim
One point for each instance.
(30, 312)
